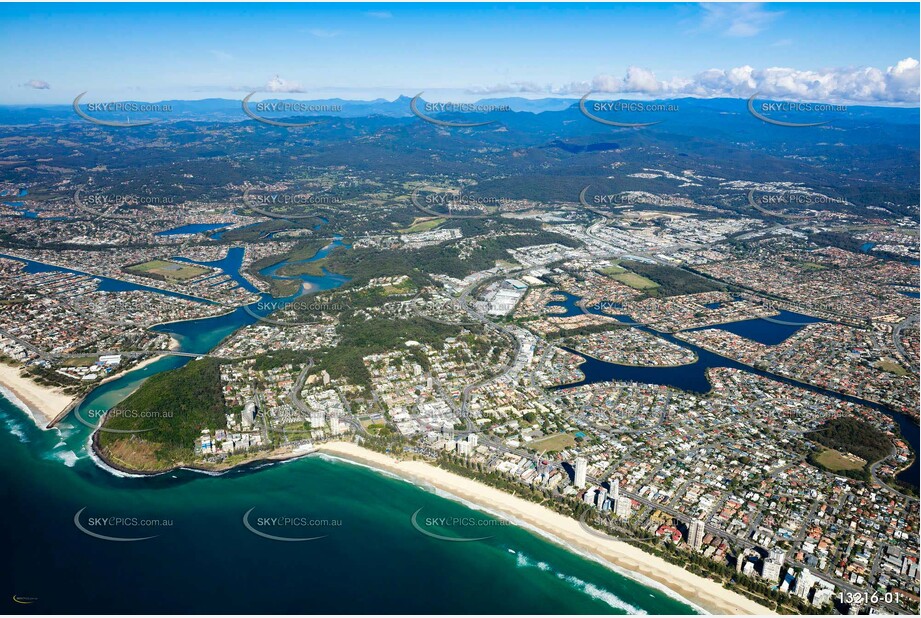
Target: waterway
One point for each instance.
(192, 228)
(203, 559)
(693, 377)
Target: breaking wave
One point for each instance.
(596, 592)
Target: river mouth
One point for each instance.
(195, 337)
(200, 336)
(201, 506)
(184, 508)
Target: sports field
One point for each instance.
(168, 270)
(556, 442)
(836, 460)
(635, 281)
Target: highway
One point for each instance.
(897, 341)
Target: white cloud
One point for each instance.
(640, 80)
(37, 84)
(277, 84)
(737, 19)
(512, 88)
(896, 84)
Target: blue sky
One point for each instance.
(859, 52)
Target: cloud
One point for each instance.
(37, 84)
(221, 55)
(277, 84)
(513, 87)
(897, 84)
(737, 19)
(640, 80)
(323, 34)
(379, 14)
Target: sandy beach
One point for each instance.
(704, 593)
(44, 403)
(174, 345)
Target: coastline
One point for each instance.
(617, 555)
(102, 459)
(42, 403)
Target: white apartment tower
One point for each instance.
(581, 467)
(696, 532)
(773, 565)
(621, 505)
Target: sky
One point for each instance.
(851, 52)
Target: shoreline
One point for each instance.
(103, 460)
(230, 309)
(587, 355)
(123, 372)
(886, 408)
(42, 403)
(620, 557)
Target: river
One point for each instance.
(203, 559)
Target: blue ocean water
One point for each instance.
(201, 558)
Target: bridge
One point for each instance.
(135, 354)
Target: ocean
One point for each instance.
(202, 557)
(189, 542)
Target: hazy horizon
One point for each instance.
(838, 53)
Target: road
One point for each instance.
(897, 341)
(138, 353)
(25, 344)
(294, 393)
(478, 316)
(294, 396)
